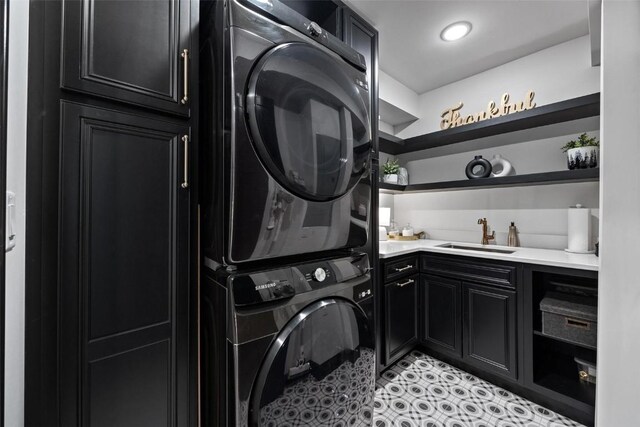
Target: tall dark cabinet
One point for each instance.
(111, 285)
(363, 37)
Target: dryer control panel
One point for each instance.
(279, 284)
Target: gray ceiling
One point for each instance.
(412, 52)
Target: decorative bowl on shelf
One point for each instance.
(403, 176)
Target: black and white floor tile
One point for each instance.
(333, 401)
(422, 391)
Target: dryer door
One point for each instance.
(309, 119)
(320, 370)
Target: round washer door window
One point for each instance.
(309, 120)
(319, 371)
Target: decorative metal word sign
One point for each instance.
(451, 117)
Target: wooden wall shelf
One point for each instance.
(545, 178)
(558, 112)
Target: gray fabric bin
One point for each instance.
(570, 318)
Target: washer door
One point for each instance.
(309, 121)
(319, 371)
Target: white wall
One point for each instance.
(540, 213)
(16, 182)
(387, 201)
(394, 92)
(619, 288)
(385, 127)
(555, 74)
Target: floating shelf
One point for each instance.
(559, 112)
(545, 178)
(540, 334)
(568, 386)
(389, 143)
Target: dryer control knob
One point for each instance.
(314, 29)
(319, 275)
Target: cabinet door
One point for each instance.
(129, 50)
(401, 317)
(442, 318)
(364, 39)
(490, 329)
(124, 288)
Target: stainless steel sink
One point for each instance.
(476, 248)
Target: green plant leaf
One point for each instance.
(582, 141)
(390, 167)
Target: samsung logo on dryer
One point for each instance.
(267, 285)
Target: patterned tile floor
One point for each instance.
(425, 392)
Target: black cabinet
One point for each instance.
(401, 317)
(132, 51)
(325, 13)
(363, 37)
(490, 329)
(113, 186)
(470, 311)
(442, 320)
(400, 267)
(124, 289)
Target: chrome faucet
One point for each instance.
(486, 237)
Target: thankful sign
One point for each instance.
(451, 116)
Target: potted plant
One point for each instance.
(390, 169)
(582, 153)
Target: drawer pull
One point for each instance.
(408, 267)
(403, 284)
(575, 323)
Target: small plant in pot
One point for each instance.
(582, 153)
(390, 169)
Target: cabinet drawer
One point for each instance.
(488, 272)
(400, 267)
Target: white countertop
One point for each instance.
(551, 257)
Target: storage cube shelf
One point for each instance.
(554, 370)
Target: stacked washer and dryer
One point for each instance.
(286, 299)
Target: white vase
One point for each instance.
(403, 176)
(501, 167)
(583, 157)
(391, 178)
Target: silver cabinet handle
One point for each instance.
(403, 284)
(185, 77)
(185, 180)
(408, 267)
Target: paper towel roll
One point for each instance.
(579, 221)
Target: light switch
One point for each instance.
(10, 235)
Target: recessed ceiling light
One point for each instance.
(455, 31)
